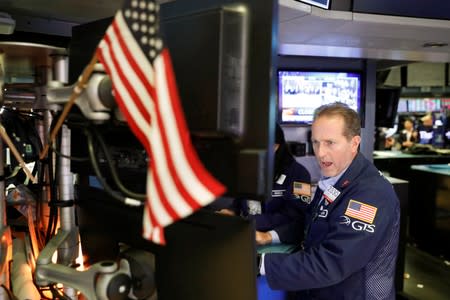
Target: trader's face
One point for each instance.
(334, 151)
(408, 125)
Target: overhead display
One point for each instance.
(320, 3)
(300, 92)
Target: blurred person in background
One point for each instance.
(291, 189)
(408, 136)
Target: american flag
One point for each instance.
(144, 86)
(302, 188)
(361, 211)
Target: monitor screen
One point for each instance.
(319, 3)
(301, 92)
(402, 106)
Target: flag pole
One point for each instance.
(73, 97)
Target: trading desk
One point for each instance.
(398, 164)
(264, 291)
(430, 207)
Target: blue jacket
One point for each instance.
(350, 245)
(290, 192)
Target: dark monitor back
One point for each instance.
(386, 106)
(222, 56)
(207, 255)
(212, 92)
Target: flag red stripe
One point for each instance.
(118, 95)
(162, 196)
(135, 67)
(158, 186)
(191, 201)
(182, 190)
(120, 101)
(151, 215)
(160, 236)
(144, 140)
(157, 182)
(213, 185)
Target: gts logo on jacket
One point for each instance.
(357, 225)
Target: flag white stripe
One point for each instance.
(135, 49)
(160, 214)
(156, 235)
(189, 178)
(146, 223)
(120, 87)
(153, 132)
(177, 183)
(185, 173)
(159, 211)
(190, 181)
(150, 232)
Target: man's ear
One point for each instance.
(356, 140)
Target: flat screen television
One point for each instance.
(300, 92)
(319, 3)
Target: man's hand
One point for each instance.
(263, 238)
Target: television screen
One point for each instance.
(402, 106)
(319, 3)
(301, 92)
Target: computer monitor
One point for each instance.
(206, 256)
(300, 92)
(221, 60)
(319, 3)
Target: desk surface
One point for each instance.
(276, 248)
(398, 154)
(443, 169)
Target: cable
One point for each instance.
(100, 177)
(23, 113)
(53, 217)
(73, 158)
(113, 170)
(57, 294)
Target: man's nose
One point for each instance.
(319, 150)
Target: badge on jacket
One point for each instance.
(281, 179)
(330, 194)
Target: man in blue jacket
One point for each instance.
(351, 230)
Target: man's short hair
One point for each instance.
(352, 122)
